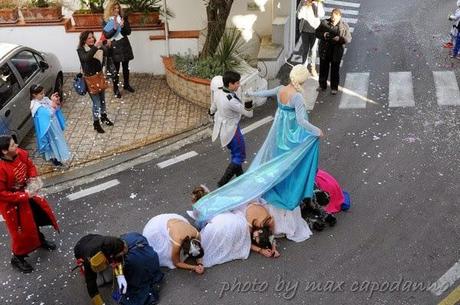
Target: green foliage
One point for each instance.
(95, 6)
(226, 57)
(7, 4)
(44, 3)
(147, 6)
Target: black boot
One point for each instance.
(128, 88)
(116, 91)
(231, 170)
(97, 127)
(20, 263)
(238, 170)
(105, 120)
(56, 162)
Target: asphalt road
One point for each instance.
(401, 167)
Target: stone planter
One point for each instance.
(42, 14)
(193, 89)
(88, 20)
(139, 19)
(9, 15)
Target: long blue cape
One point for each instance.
(42, 122)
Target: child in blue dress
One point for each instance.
(49, 126)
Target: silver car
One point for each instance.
(20, 68)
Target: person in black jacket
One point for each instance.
(116, 28)
(333, 34)
(92, 55)
(95, 253)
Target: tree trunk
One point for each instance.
(217, 12)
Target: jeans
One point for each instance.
(98, 104)
(324, 66)
(309, 48)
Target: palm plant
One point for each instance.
(96, 6)
(146, 6)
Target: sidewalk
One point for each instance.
(151, 114)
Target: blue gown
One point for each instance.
(284, 169)
(49, 132)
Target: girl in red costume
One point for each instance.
(23, 210)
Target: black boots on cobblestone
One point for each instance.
(232, 169)
(98, 127)
(128, 88)
(20, 263)
(105, 120)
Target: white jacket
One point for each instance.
(227, 109)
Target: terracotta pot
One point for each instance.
(42, 14)
(9, 15)
(139, 19)
(88, 21)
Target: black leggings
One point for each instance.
(116, 79)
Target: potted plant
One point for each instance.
(90, 15)
(8, 12)
(42, 11)
(145, 12)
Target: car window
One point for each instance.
(26, 64)
(9, 85)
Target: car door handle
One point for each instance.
(7, 113)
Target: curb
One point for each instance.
(112, 164)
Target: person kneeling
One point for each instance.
(175, 240)
(262, 227)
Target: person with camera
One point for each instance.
(22, 208)
(227, 109)
(310, 13)
(92, 55)
(116, 28)
(333, 34)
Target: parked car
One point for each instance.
(20, 67)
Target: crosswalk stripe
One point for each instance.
(177, 159)
(352, 30)
(344, 11)
(93, 190)
(347, 20)
(356, 94)
(309, 92)
(447, 91)
(343, 3)
(401, 90)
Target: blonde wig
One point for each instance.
(298, 76)
(108, 11)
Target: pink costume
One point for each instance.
(328, 184)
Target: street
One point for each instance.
(400, 164)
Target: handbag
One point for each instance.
(96, 83)
(79, 84)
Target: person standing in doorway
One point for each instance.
(227, 109)
(333, 34)
(117, 28)
(310, 13)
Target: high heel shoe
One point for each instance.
(105, 120)
(98, 127)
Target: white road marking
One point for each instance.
(343, 3)
(309, 92)
(347, 20)
(344, 11)
(401, 90)
(1, 218)
(352, 30)
(257, 124)
(93, 190)
(447, 280)
(356, 94)
(177, 159)
(446, 88)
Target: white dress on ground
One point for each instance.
(157, 234)
(225, 238)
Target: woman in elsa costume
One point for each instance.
(49, 126)
(284, 169)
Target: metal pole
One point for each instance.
(166, 28)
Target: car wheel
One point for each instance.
(59, 86)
